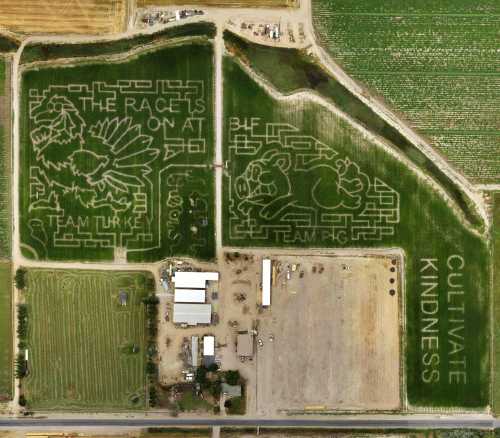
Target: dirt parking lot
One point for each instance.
(336, 331)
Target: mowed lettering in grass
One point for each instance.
(118, 156)
(298, 175)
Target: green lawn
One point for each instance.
(118, 155)
(435, 62)
(78, 334)
(311, 180)
(5, 331)
(496, 301)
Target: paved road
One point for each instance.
(400, 422)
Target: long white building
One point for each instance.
(193, 280)
(192, 314)
(266, 282)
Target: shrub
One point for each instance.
(20, 278)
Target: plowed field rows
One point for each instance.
(436, 63)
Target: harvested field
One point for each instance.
(80, 337)
(63, 16)
(5, 331)
(223, 3)
(281, 156)
(336, 336)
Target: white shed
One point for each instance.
(209, 346)
(189, 296)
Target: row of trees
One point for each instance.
(151, 302)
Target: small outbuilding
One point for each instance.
(244, 345)
(231, 391)
(123, 298)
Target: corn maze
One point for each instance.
(435, 63)
(119, 163)
(79, 332)
(294, 187)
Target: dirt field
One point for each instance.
(336, 333)
(336, 337)
(223, 3)
(63, 16)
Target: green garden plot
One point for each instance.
(117, 156)
(80, 334)
(436, 63)
(5, 332)
(299, 176)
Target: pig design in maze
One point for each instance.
(289, 187)
(266, 185)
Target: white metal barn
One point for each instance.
(192, 314)
(194, 280)
(189, 296)
(266, 282)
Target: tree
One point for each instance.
(213, 367)
(22, 400)
(232, 377)
(20, 278)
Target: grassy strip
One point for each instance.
(427, 228)
(8, 44)
(297, 71)
(5, 331)
(177, 432)
(496, 301)
(47, 52)
(5, 163)
(302, 432)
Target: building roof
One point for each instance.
(123, 296)
(231, 390)
(192, 314)
(208, 345)
(266, 282)
(244, 345)
(193, 280)
(194, 351)
(189, 296)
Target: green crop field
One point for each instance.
(436, 63)
(78, 340)
(117, 157)
(5, 163)
(496, 301)
(298, 175)
(5, 331)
